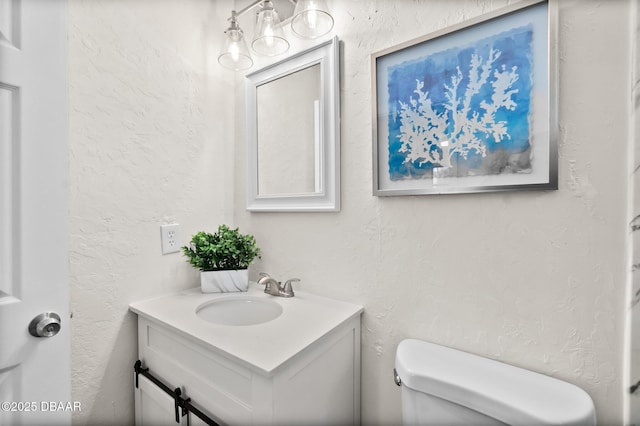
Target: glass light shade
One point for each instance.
(269, 39)
(311, 19)
(235, 54)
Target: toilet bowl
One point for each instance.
(444, 386)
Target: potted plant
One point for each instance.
(223, 259)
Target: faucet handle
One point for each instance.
(288, 288)
(264, 281)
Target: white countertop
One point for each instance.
(305, 319)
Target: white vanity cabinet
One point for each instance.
(301, 368)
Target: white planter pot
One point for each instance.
(224, 281)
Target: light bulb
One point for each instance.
(234, 54)
(269, 39)
(311, 19)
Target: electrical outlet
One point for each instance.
(170, 237)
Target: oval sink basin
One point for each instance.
(239, 310)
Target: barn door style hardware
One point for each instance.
(182, 406)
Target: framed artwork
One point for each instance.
(470, 108)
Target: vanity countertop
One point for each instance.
(263, 347)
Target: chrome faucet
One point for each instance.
(274, 287)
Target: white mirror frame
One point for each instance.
(327, 199)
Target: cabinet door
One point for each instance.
(154, 407)
(194, 421)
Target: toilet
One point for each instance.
(444, 386)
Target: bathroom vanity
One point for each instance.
(250, 358)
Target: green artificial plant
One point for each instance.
(227, 249)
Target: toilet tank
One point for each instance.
(441, 385)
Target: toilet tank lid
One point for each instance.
(510, 394)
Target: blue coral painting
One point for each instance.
(463, 111)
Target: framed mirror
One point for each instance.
(293, 132)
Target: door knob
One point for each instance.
(46, 324)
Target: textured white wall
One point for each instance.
(536, 279)
(634, 228)
(150, 143)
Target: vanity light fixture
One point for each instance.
(311, 19)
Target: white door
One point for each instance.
(34, 371)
